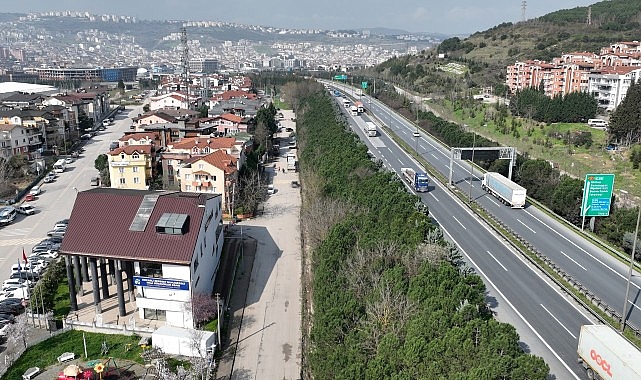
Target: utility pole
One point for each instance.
(472, 166)
(627, 288)
(218, 318)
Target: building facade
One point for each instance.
(130, 167)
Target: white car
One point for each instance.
(26, 209)
(416, 134)
(12, 282)
(35, 190)
(49, 254)
(68, 160)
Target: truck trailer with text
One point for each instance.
(505, 190)
(418, 180)
(605, 354)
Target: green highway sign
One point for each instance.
(363, 85)
(597, 194)
(340, 77)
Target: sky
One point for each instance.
(451, 17)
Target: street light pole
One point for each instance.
(627, 288)
(472, 166)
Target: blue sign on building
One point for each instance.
(161, 283)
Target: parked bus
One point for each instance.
(60, 166)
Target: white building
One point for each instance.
(610, 85)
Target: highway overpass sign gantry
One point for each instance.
(483, 154)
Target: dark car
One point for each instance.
(25, 275)
(11, 309)
(7, 317)
(63, 221)
(12, 302)
(54, 239)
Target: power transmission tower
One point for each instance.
(184, 62)
(523, 6)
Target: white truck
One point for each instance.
(370, 129)
(353, 110)
(291, 161)
(505, 190)
(607, 355)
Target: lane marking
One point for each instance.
(583, 250)
(459, 222)
(498, 262)
(493, 201)
(433, 196)
(559, 322)
(632, 303)
(525, 225)
(574, 261)
(535, 332)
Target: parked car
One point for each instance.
(86, 136)
(15, 282)
(270, 189)
(63, 221)
(26, 209)
(14, 309)
(95, 181)
(68, 160)
(57, 232)
(75, 154)
(29, 198)
(25, 275)
(49, 179)
(53, 239)
(35, 190)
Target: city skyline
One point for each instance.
(452, 18)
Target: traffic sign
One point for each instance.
(340, 77)
(597, 194)
(364, 85)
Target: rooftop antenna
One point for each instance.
(523, 6)
(184, 61)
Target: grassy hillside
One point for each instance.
(486, 54)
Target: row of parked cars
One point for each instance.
(15, 291)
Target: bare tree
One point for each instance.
(202, 307)
(5, 176)
(20, 331)
(320, 215)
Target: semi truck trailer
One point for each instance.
(505, 190)
(605, 354)
(418, 180)
(371, 129)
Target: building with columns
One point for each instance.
(163, 247)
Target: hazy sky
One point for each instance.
(440, 16)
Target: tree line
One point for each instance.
(574, 107)
(391, 298)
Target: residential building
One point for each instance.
(203, 65)
(174, 100)
(214, 173)
(13, 141)
(163, 248)
(609, 85)
(130, 167)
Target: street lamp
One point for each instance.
(627, 288)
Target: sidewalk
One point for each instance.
(265, 326)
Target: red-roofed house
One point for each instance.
(174, 100)
(130, 167)
(162, 247)
(233, 94)
(213, 174)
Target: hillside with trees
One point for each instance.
(387, 296)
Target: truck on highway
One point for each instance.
(505, 190)
(605, 354)
(370, 129)
(418, 180)
(359, 107)
(354, 110)
(291, 161)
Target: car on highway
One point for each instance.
(416, 134)
(26, 209)
(36, 190)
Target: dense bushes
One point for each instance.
(390, 298)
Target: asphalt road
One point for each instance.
(547, 320)
(57, 198)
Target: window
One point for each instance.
(201, 166)
(135, 156)
(122, 181)
(136, 180)
(121, 170)
(195, 264)
(135, 169)
(155, 314)
(187, 176)
(122, 156)
(187, 187)
(206, 150)
(148, 269)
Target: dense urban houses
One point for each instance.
(130, 167)
(174, 100)
(162, 248)
(606, 76)
(214, 173)
(178, 152)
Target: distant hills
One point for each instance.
(487, 53)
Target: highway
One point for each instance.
(546, 319)
(605, 276)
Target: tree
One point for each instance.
(146, 108)
(203, 111)
(626, 118)
(203, 308)
(566, 199)
(539, 178)
(635, 156)
(101, 163)
(121, 86)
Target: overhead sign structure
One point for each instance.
(340, 77)
(597, 194)
(161, 283)
(364, 85)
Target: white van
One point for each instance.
(7, 215)
(598, 123)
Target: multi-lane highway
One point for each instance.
(547, 320)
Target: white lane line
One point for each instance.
(534, 331)
(525, 225)
(583, 250)
(434, 196)
(559, 322)
(459, 222)
(632, 303)
(433, 155)
(574, 261)
(493, 201)
(498, 262)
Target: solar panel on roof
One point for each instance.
(144, 212)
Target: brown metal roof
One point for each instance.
(100, 220)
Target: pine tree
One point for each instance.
(624, 122)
